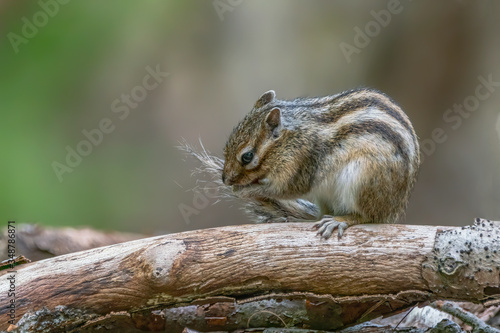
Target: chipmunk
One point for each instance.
(341, 160)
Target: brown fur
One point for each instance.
(309, 143)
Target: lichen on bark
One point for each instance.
(465, 263)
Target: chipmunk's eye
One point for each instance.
(246, 158)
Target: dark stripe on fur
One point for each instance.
(372, 127)
(315, 103)
(353, 105)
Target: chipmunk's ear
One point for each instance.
(273, 120)
(266, 98)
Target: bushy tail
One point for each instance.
(260, 209)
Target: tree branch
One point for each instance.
(36, 242)
(207, 276)
(477, 324)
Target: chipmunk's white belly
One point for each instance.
(338, 193)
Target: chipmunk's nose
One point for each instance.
(227, 180)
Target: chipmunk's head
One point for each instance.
(251, 143)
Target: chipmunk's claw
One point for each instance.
(328, 224)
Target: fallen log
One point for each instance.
(154, 282)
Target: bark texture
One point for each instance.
(216, 279)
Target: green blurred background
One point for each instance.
(220, 56)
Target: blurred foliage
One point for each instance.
(40, 89)
(65, 79)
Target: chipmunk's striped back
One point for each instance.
(357, 112)
(353, 154)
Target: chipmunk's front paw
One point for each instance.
(327, 225)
